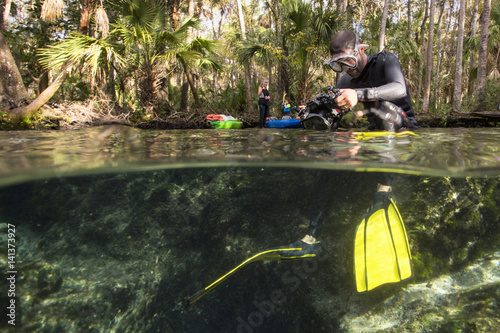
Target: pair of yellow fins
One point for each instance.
(381, 251)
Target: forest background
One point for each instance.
(141, 60)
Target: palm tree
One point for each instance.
(310, 32)
(263, 51)
(140, 37)
(15, 90)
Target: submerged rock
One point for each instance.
(468, 300)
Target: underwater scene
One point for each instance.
(114, 229)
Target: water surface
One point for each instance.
(440, 152)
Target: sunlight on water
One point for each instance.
(440, 152)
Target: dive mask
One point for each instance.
(342, 62)
(345, 61)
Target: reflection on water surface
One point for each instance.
(454, 152)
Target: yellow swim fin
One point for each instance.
(381, 250)
(284, 253)
(381, 134)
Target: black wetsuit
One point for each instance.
(264, 105)
(382, 79)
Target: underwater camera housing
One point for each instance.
(322, 112)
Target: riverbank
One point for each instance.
(71, 116)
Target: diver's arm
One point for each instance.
(394, 89)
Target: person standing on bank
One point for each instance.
(264, 102)
(376, 80)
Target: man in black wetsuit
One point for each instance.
(379, 83)
(376, 80)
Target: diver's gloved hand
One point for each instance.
(309, 247)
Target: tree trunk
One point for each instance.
(383, 24)
(473, 33)
(184, 94)
(186, 84)
(483, 53)
(285, 79)
(174, 8)
(422, 47)
(408, 30)
(190, 80)
(111, 89)
(248, 84)
(43, 81)
(88, 7)
(278, 41)
(44, 97)
(438, 53)
(5, 16)
(457, 92)
(429, 56)
(11, 83)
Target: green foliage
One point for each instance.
(491, 96)
(229, 100)
(143, 51)
(309, 33)
(22, 123)
(93, 53)
(442, 110)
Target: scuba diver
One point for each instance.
(376, 80)
(382, 253)
(381, 249)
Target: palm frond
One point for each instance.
(204, 45)
(300, 15)
(472, 43)
(170, 39)
(144, 14)
(51, 10)
(190, 22)
(322, 27)
(211, 63)
(188, 56)
(93, 52)
(249, 49)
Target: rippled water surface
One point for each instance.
(447, 152)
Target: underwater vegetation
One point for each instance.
(123, 252)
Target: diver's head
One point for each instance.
(347, 54)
